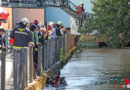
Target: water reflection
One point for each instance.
(97, 70)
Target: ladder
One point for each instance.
(65, 5)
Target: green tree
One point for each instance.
(111, 19)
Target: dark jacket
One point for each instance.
(3, 41)
(21, 36)
(58, 33)
(41, 37)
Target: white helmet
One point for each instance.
(1, 27)
(59, 22)
(51, 23)
(25, 21)
(81, 3)
(2, 10)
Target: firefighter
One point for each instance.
(80, 9)
(2, 38)
(33, 29)
(22, 38)
(40, 32)
(58, 26)
(57, 79)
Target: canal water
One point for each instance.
(99, 69)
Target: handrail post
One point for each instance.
(3, 69)
(39, 59)
(31, 70)
(15, 69)
(25, 67)
(21, 69)
(45, 56)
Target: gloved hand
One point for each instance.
(31, 44)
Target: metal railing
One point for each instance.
(22, 63)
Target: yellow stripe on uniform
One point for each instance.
(16, 47)
(36, 49)
(40, 37)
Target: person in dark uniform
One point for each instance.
(33, 29)
(2, 38)
(22, 38)
(40, 33)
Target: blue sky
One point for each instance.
(56, 14)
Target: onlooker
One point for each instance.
(53, 31)
(41, 34)
(62, 30)
(58, 33)
(49, 28)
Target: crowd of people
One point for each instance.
(25, 34)
(30, 34)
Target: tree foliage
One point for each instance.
(111, 19)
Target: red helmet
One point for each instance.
(49, 27)
(35, 22)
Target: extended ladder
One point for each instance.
(65, 5)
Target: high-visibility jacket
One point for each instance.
(35, 37)
(41, 37)
(21, 37)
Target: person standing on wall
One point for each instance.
(20, 38)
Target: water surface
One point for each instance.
(98, 69)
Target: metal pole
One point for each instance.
(87, 46)
(39, 59)
(3, 69)
(31, 64)
(15, 64)
(21, 68)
